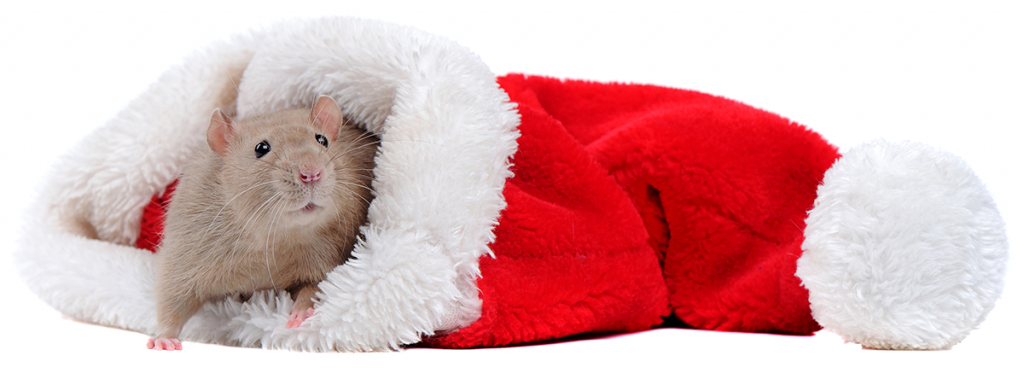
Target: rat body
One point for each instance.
(275, 203)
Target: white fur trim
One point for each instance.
(904, 248)
(447, 134)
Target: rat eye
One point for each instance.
(262, 149)
(323, 140)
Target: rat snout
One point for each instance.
(309, 173)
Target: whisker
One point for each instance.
(354, 193)
(342, 183)
(276, 225)
(339, 155)
(229, 202)
(266, 249)
(254, 213)
(352, 147)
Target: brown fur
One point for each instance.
(236, 224)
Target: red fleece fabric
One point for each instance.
(631, 202)
(152, 225)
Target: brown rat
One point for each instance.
(275, 203)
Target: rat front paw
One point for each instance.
(164, 344)
(298, 316)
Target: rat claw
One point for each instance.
(297, 317)
(164, 344)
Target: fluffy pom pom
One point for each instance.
(904, 248)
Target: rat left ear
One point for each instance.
(327, 116)
(220, 132)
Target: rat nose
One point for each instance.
(309, 175)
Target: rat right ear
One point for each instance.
(220, 132)
(327, 116)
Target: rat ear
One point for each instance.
(327, 116)
(220, 132)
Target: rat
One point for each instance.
(276, 202)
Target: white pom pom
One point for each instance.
(904, 248)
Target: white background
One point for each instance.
(948, 74)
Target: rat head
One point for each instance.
(279, 167)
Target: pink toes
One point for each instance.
(297, 317)
(164, 344)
